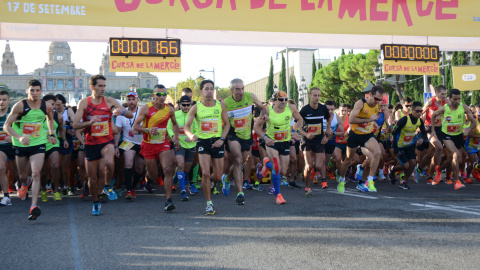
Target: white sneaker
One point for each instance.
(6, 201)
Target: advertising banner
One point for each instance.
(466, 78)
(411, 67)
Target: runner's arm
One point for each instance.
(174, 123)
(340, 131)
(118, 108)
(353, 118)
(138, 125)
(191, 117)
(400, 124)
(78, 116)
(61, 130)
(435, 114)
(170, 128)
(14, 114)
(225, 119)
(295, 115)
(51, 130)
(470, 116)
(426, 107)
(78, 133)
(256, 101)
(423, 130)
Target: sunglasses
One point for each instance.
(408, 106)
(418, 111)
(378, 99)
(161, 94)
(282, 99)
(186, 105)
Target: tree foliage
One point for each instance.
(192, 84)
(282, 83)
(269, 88)
(476, 94)
(293, 88)
(314, 66)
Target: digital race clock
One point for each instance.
(144, 47)
(410, 52)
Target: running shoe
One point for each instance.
(271, 190)
(119, 192)
(79, 185)
(84, 193)
(34, 212)
(6, 201)
(209, 211)
(240, 200)
(215, 191)
(70, 192)
(265, 170)
(476, 172)
(129, 196)
(160, 181)
(43, 196)
(341, 187)
(404, 186)
(359, 173)
(279, 199)
(226, 185)
(57, 197)
(193, 190)
(315, 181)
(174, 189)
(111, 195)
(312, 174)
(417, 175)
(257, 188)
(430, 181)
(308, 192)
(96, 209)
(259, 172)
(458, 185)
(362, 187)
(10, 189)
(438, 175)
(133, 194)
(463, 174)
(330, 174)
(169, 206)
(391, 175)
(293, 185)
(381, 175)
(284, 181)
(338, 178)
(49, 186)
(148, 187)
(184, 196)
(371, 186)
(65, 192)
(448, 181)
(468, 180)
(324, 185)
(23, 192)
(246, 185)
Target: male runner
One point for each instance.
(6, 149)
(152, 121)
(184, 155)
(404, 143)
(130, 146)
(313, 136)
(25, 125)
(336, 126)
(213, 125)
(362, 121)
(453, 120)
(277, 137)
(94, 114)
(239, 138)
(406, 108)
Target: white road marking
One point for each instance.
(451, 208)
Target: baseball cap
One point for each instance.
(185, 99)
(132, 94)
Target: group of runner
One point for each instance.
(239, 139)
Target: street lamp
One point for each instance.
(275, 87)
(133, 87)
(302, 91)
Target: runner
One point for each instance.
(362, 120)
(94, 114)
(313, 139)
(152, 121)
(184, 155)
(277, 138)
(341, 140)
(130, 147)
(239, 138)
(25, 125)
(404, 143)
(453, 121)
(6, 149)
(212, 119)
(336, 126)
(406, 108)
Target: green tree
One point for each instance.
(460, 58)
(414, 87)
(269, 88)
(192, 84)
(476, 94)
(293, 88)
(115, 95)
(282, 83)
(319, 66)
(343, 51)
(223, 93)
(314, 67)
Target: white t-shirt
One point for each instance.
(126, 124)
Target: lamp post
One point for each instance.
(133, 87)
(446, 56)
(302, 91)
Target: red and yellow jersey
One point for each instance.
(365, 113)
(99, 132)
(159, 119)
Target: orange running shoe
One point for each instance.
(160, 181)
(23, 192)
(438, 175)
(34, 212)
(265, 169)
(468, 180)
(330, 175)
(448, 181)
(312, 174)
(458, 185)
(324, 185)
(476, 173)
(430, 181)
(279, 199)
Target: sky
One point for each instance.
(229, 62)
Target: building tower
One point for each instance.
(105, 67)
(59, 52)
(8, 62)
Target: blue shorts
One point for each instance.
(471, 151)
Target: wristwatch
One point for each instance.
(222, 138)
(146, 130)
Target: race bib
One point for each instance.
(365, 127)
(100, 129)
(160, 137)
(76, 145)
(32, 129)
(476, 142)
(279, 136)
(3, 136)
(438, 121)
(181, 131)
(126, 145)
(315, 129)
(209, 126)
(453, 128)
(241, 123)
(342, 139)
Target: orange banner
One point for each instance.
(452, 18)
(145, 64)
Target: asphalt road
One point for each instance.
(427, 227)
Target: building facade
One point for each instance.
(60, 76)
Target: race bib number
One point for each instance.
(241, 123)
(365, 127)
(181, 131)
(100, 129)
(160, 137)
(279, 136)
(3, 136)
(438, 121)
(209, 126)
(31, 129)
(342, 139)
(76, 145)
(126, 145)
(476, 142)
(315, 129)
(453, 128)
